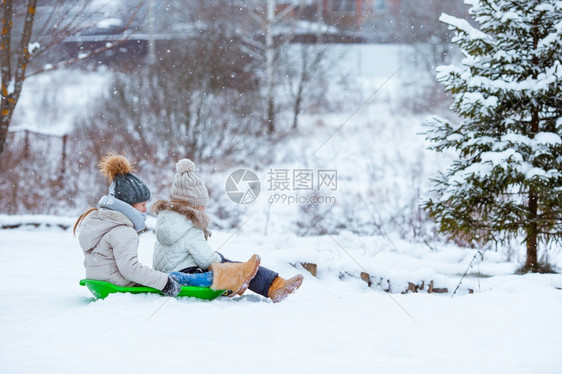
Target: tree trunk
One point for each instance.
(11, 86)
(4, 123)
(151, 58)
(302, 81)
(320, 20)
(5, 49)
(532, 228)
(63, 157)
(531, 264)
(269, 57)
(270, 116)
(532, 261)
(297, 108)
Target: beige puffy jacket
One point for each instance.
(110, 245)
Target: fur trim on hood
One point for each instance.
(198, 217)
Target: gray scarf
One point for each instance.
(136, 216)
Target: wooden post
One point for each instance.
(367, 278)
(312, 268)
(26, 145)
(63, 156)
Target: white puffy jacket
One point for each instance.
(180, 244)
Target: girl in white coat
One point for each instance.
(182, 232)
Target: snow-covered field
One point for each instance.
(50, 324)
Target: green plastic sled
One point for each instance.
(101, 289)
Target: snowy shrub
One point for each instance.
(38, 176)
(317, 219)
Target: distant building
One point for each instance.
(326, 21)
(346, 14)
(110, 37)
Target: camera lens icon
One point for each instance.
(243, 186)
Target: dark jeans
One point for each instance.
(262, 281)
(260, 284)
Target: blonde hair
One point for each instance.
(81, 218)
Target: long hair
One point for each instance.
(81, 218)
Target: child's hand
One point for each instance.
(172, 287)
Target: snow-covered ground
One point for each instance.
(334, 323)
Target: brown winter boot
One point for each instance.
(234, 276)
(281, 288)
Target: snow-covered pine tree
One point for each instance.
(507, 180)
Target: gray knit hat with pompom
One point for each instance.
(187, 186)
(125, 185)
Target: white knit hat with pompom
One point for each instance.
(187, 186)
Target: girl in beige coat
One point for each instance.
(109, 236)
